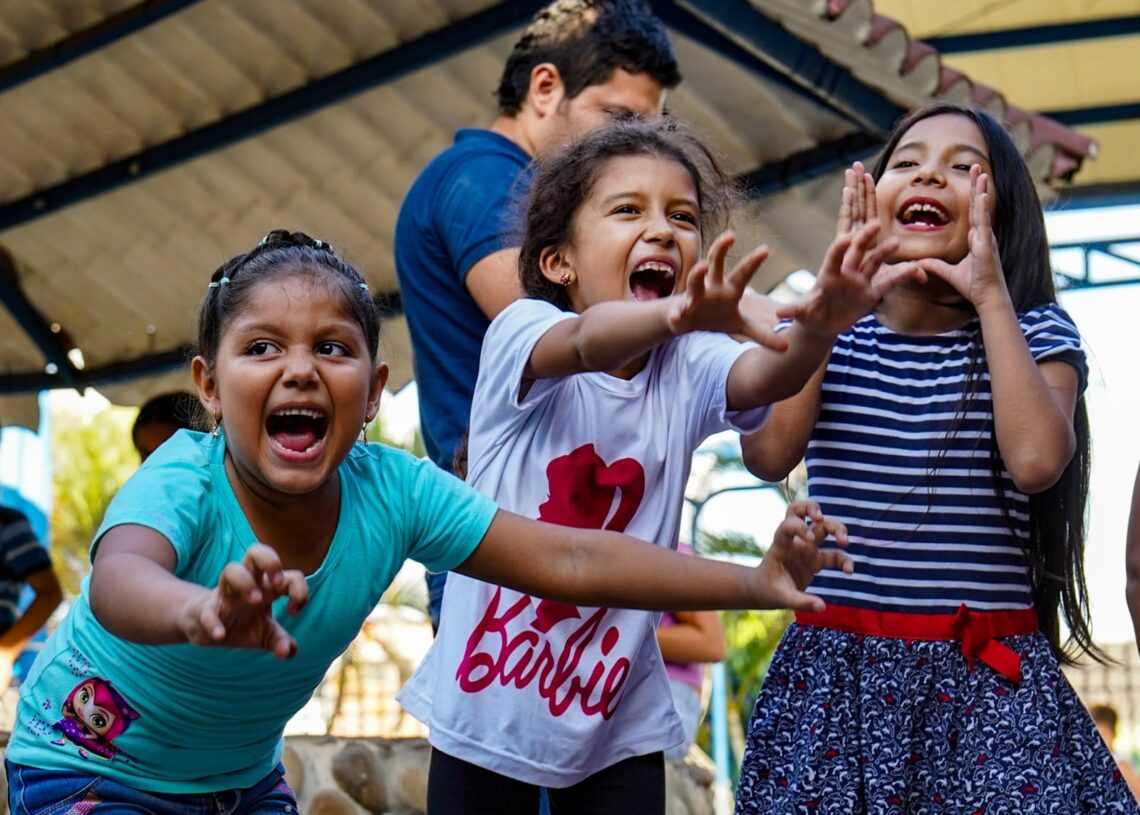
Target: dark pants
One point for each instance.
(635, 786)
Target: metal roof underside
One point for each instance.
(144, 143)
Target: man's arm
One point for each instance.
(493, 282)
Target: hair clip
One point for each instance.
(319, 244)
(363, 286)
(265, 239)
(216, 283)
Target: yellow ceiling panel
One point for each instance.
(1059, 77)
(1118, 159)
(923, 19)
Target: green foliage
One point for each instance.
(92, 455)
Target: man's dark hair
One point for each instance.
(587, 40)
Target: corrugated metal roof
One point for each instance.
(133, 169)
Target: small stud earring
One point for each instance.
(566, 279)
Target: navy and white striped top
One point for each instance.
(927, 531)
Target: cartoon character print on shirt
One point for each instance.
(94, 715)
(548, 651)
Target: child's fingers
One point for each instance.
(279, 643)
(694, 293)
(862, 242)
(829, 526)
(877, 255)
(859, 214)
(297, 589)
(846, 204)
(716, 256)
(743, 272)
(937, 267)
(891, 277)
(833, 260)
(802, 601)
(870, 203)
(209, 626)
(238, 584)
(804, 508)
(836, 559)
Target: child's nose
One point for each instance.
(300, 369)
(660, 230)
(929, 173)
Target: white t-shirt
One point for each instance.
(546, 692)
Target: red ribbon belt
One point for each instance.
(977, 631)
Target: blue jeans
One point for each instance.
(32, 791)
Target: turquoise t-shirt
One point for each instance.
(185, 719)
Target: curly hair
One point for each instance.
(587, 40)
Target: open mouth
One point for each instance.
(297, 430)
(923, 213)
(652, 280)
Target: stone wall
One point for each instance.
(362, 776)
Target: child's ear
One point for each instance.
(379, 380)
(207, 386)
(546, 90)
(556, 266)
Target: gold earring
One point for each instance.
(217, 427)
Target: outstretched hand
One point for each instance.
(855, 273)
(978, 276)
(238, 613)
(794, 557)
(712, 299)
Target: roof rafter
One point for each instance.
(80, 43)
(1037, 35)
(800, 61)
(378, 70)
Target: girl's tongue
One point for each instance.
(297, 431)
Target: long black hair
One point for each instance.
(1056, 545)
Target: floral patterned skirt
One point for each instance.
(853, 724)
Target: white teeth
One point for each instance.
(654, 266)
(915, 209)
(312, 414)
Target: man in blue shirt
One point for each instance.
(578, 65)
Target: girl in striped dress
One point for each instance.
(949, 433)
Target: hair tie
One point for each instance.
(216, 283)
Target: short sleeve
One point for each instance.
(707, 360)
(166, 494)
(448, 518)
(1052, 336)
(474, 211)
(21, 550)
(507, 347)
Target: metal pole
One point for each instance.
(718, 701)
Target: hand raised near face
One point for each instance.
(978, 276)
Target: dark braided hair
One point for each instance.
(282, 253)
(564, 182)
